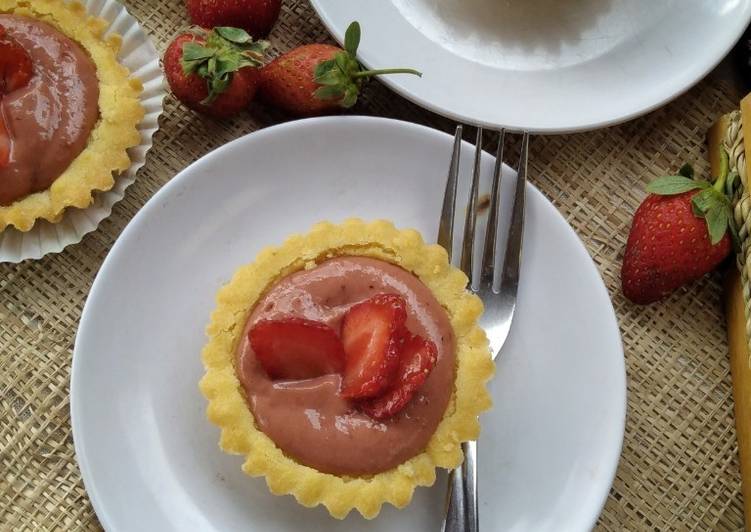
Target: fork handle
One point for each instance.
(461, 503)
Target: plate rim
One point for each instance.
(675, 91)
(165, 191)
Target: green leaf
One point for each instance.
(235, 35)
(696, 210)
(332, 77)
(225, 62)
(203, 69)
(217, 85)
(717, 224)
(687, 171)
(350, 97)
(246, 61)
(329, 93)
(324, 67)
(342, 61)
(225, 51)
(674, 184)
(193, 51)
(257, 48)
(352, 39)
(704, 201)
(194, 55)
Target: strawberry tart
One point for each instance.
(68, 110)
(346, 365)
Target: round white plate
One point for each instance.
(150, 459)
(543, 65)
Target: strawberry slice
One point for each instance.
(296, 348)
(372, 334)
(417, 359)
(15, 65)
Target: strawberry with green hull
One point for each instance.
(257, 17)
(16, 70)
(214, 72)
(318, 79)
(682, 231)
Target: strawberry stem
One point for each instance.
(369, 73)
(719, 185)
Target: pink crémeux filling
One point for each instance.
(307, 419)
(50, 119)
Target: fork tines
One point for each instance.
(510, 270)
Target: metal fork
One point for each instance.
(499, 298)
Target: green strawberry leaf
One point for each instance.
(352, 39)
(329, 93)
(194, 54)
(332, 76)
(217, 85)
(323, 68)
(350, 97)
(225, 51)
(674, 184)
(717, 224)
(225, 63)
(716, 209)
(235, 35)
(343, 61)
(687, 171)
(704, 201)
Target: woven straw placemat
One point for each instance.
(679, 468)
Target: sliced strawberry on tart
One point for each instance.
(372, 334)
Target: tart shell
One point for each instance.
(116, 130)
(227, 403)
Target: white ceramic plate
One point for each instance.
(149, 457)
(139, 55)
(542, 65)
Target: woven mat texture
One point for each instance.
(679, 468)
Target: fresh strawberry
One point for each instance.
(680, 232)
(214, 72)
(319, 78)
(296, 348)
(16, 70)
(372, 334)
(257, 17)
(417, 359)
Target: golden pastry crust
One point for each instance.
(119, 114)
(227, 405)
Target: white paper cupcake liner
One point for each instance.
(142, 59)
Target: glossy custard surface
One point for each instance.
(50, 119)
(307, 419)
